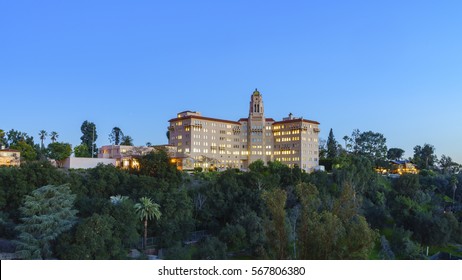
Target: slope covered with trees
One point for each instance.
(269, 212)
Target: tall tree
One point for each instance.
(395, 154)
(147, 210)
(424, 156)
(116, 136)
(89, 137)
(322, 149)
(454, 182)
(370, 144)
(2, 138)
(332, 146)
(54, 136)
(127, 140)
(43, 135)
(46, 213)
(15, 136)
(347, 140)
(309, 201)
(448, 165)
(59, 151)
(275, 200)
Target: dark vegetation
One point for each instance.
(270, 212)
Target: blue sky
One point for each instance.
(392, 67)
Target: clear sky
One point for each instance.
(393, 67)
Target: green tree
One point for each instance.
(424, 156)
(54, 136)
(89, 136)
(307, 194)
(147, 210)
(28, 152)
(127, 140)
(402, 243)
(59, 151)
(348, 143)
(211, 249)
(370, 144)
(43, 135)
(449, 167)
(322, 149)
(15, 136)
(2, 138)
(82, 151)
(126, 220)
(46, 213)
(94, 239)
(454, 182)
(116, 135)
(118, 199)
(358, 240)
(332, 146)
(395, 154)
(157, 164)
(275, 200)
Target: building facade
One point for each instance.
(86, 163)
(124, 156)
(215, 143)
(9, 157)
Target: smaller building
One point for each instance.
(403, 167)
(397, 167)
(124, 156)
(9, 157)
(86, 163)
(179, 160)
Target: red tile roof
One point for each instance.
(9, 150)
(297, 120)
(202, 118)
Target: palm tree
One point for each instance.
(43, 135)
(127, 140)
(147, 210)
(54, 136)
(118, 199)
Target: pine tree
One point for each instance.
(332, 146)
(46, 213)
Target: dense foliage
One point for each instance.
(269, 212)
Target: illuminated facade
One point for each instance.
(9, 157)
(125, 156)
(215, 143)
(403, 167)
